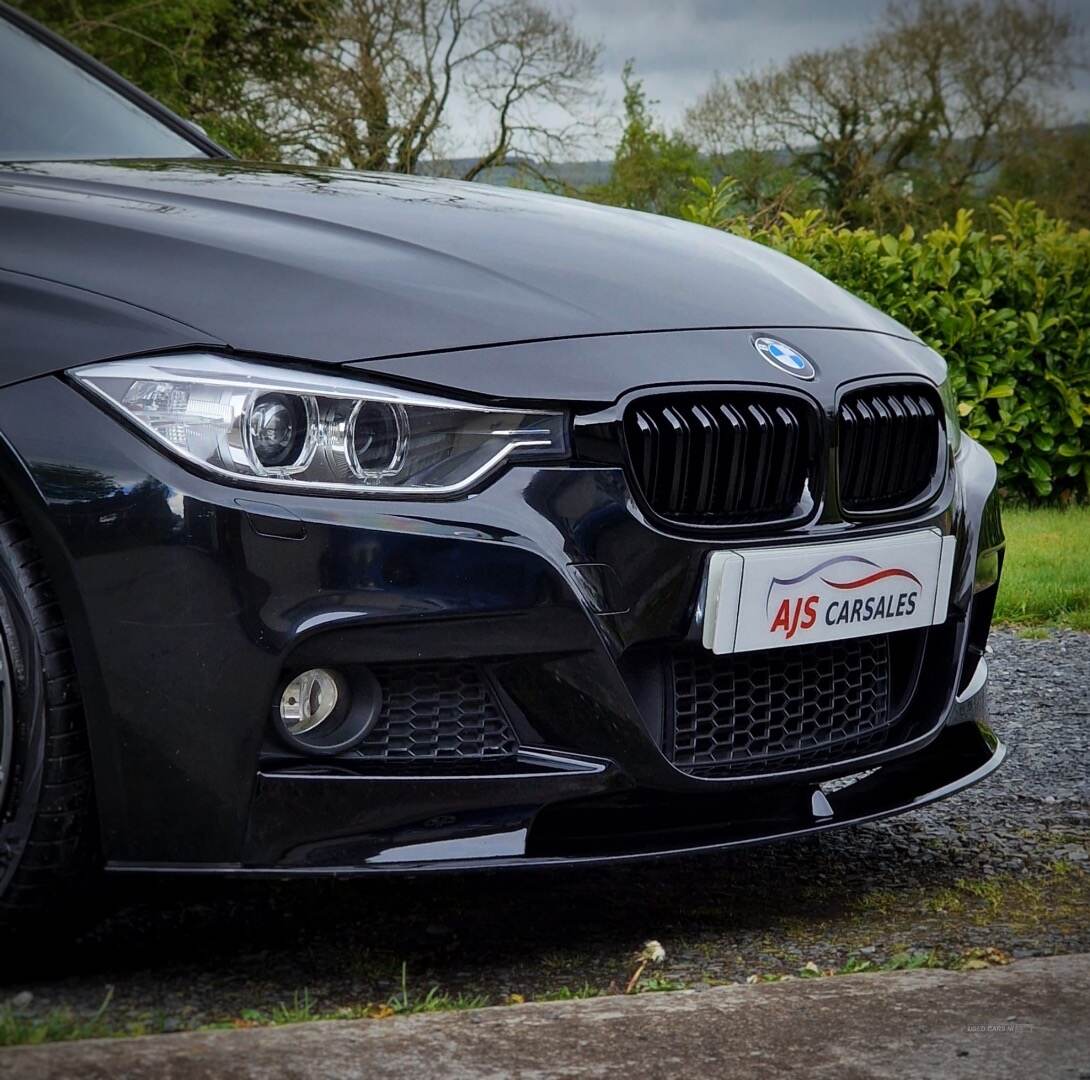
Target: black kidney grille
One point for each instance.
(443, 711)
(714, 459)
(891, 444)
(780, 708)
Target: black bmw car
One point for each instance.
(358, 523)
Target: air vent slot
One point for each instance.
(723, 459)
(892, 448)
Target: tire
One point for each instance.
(48, 833)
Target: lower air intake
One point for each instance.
(778, 709)
(442, 712)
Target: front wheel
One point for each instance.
(47, 824)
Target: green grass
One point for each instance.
(435, 1000)
(658, 985)
(902, 960)
(1046, 575)
(60, 1025)
(568, 993)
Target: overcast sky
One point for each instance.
(679, 45)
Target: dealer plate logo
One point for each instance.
(783, 356)
(801, 612)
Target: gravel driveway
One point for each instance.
(1001, 866)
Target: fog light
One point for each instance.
(308, 700)
(321, 711)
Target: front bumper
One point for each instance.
(187, 601)
(520, 820)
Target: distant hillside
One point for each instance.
(580, 174)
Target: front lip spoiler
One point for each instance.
(964, 754)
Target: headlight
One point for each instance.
(950, 407)
(274, 426)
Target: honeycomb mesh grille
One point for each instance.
(438, 712)
(779, 709)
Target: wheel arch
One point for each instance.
(17, 486)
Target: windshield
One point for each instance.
(51, 109)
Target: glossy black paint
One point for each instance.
(188, 600)
(605, 825)
(606, 368)
(47, 325)
(333, 266)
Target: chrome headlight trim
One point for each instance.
(491, 436)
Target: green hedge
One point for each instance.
(1010, 312)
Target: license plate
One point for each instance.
(762, 598)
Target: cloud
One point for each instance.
(678, 46)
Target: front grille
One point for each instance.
(438, 712)
(891, 442)
(780, 708)
(722, 458)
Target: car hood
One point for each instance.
(336, 266)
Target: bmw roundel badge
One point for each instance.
(784, 357)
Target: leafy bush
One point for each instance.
(1010, 312)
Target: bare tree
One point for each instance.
(387, 72)
(936, 99)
